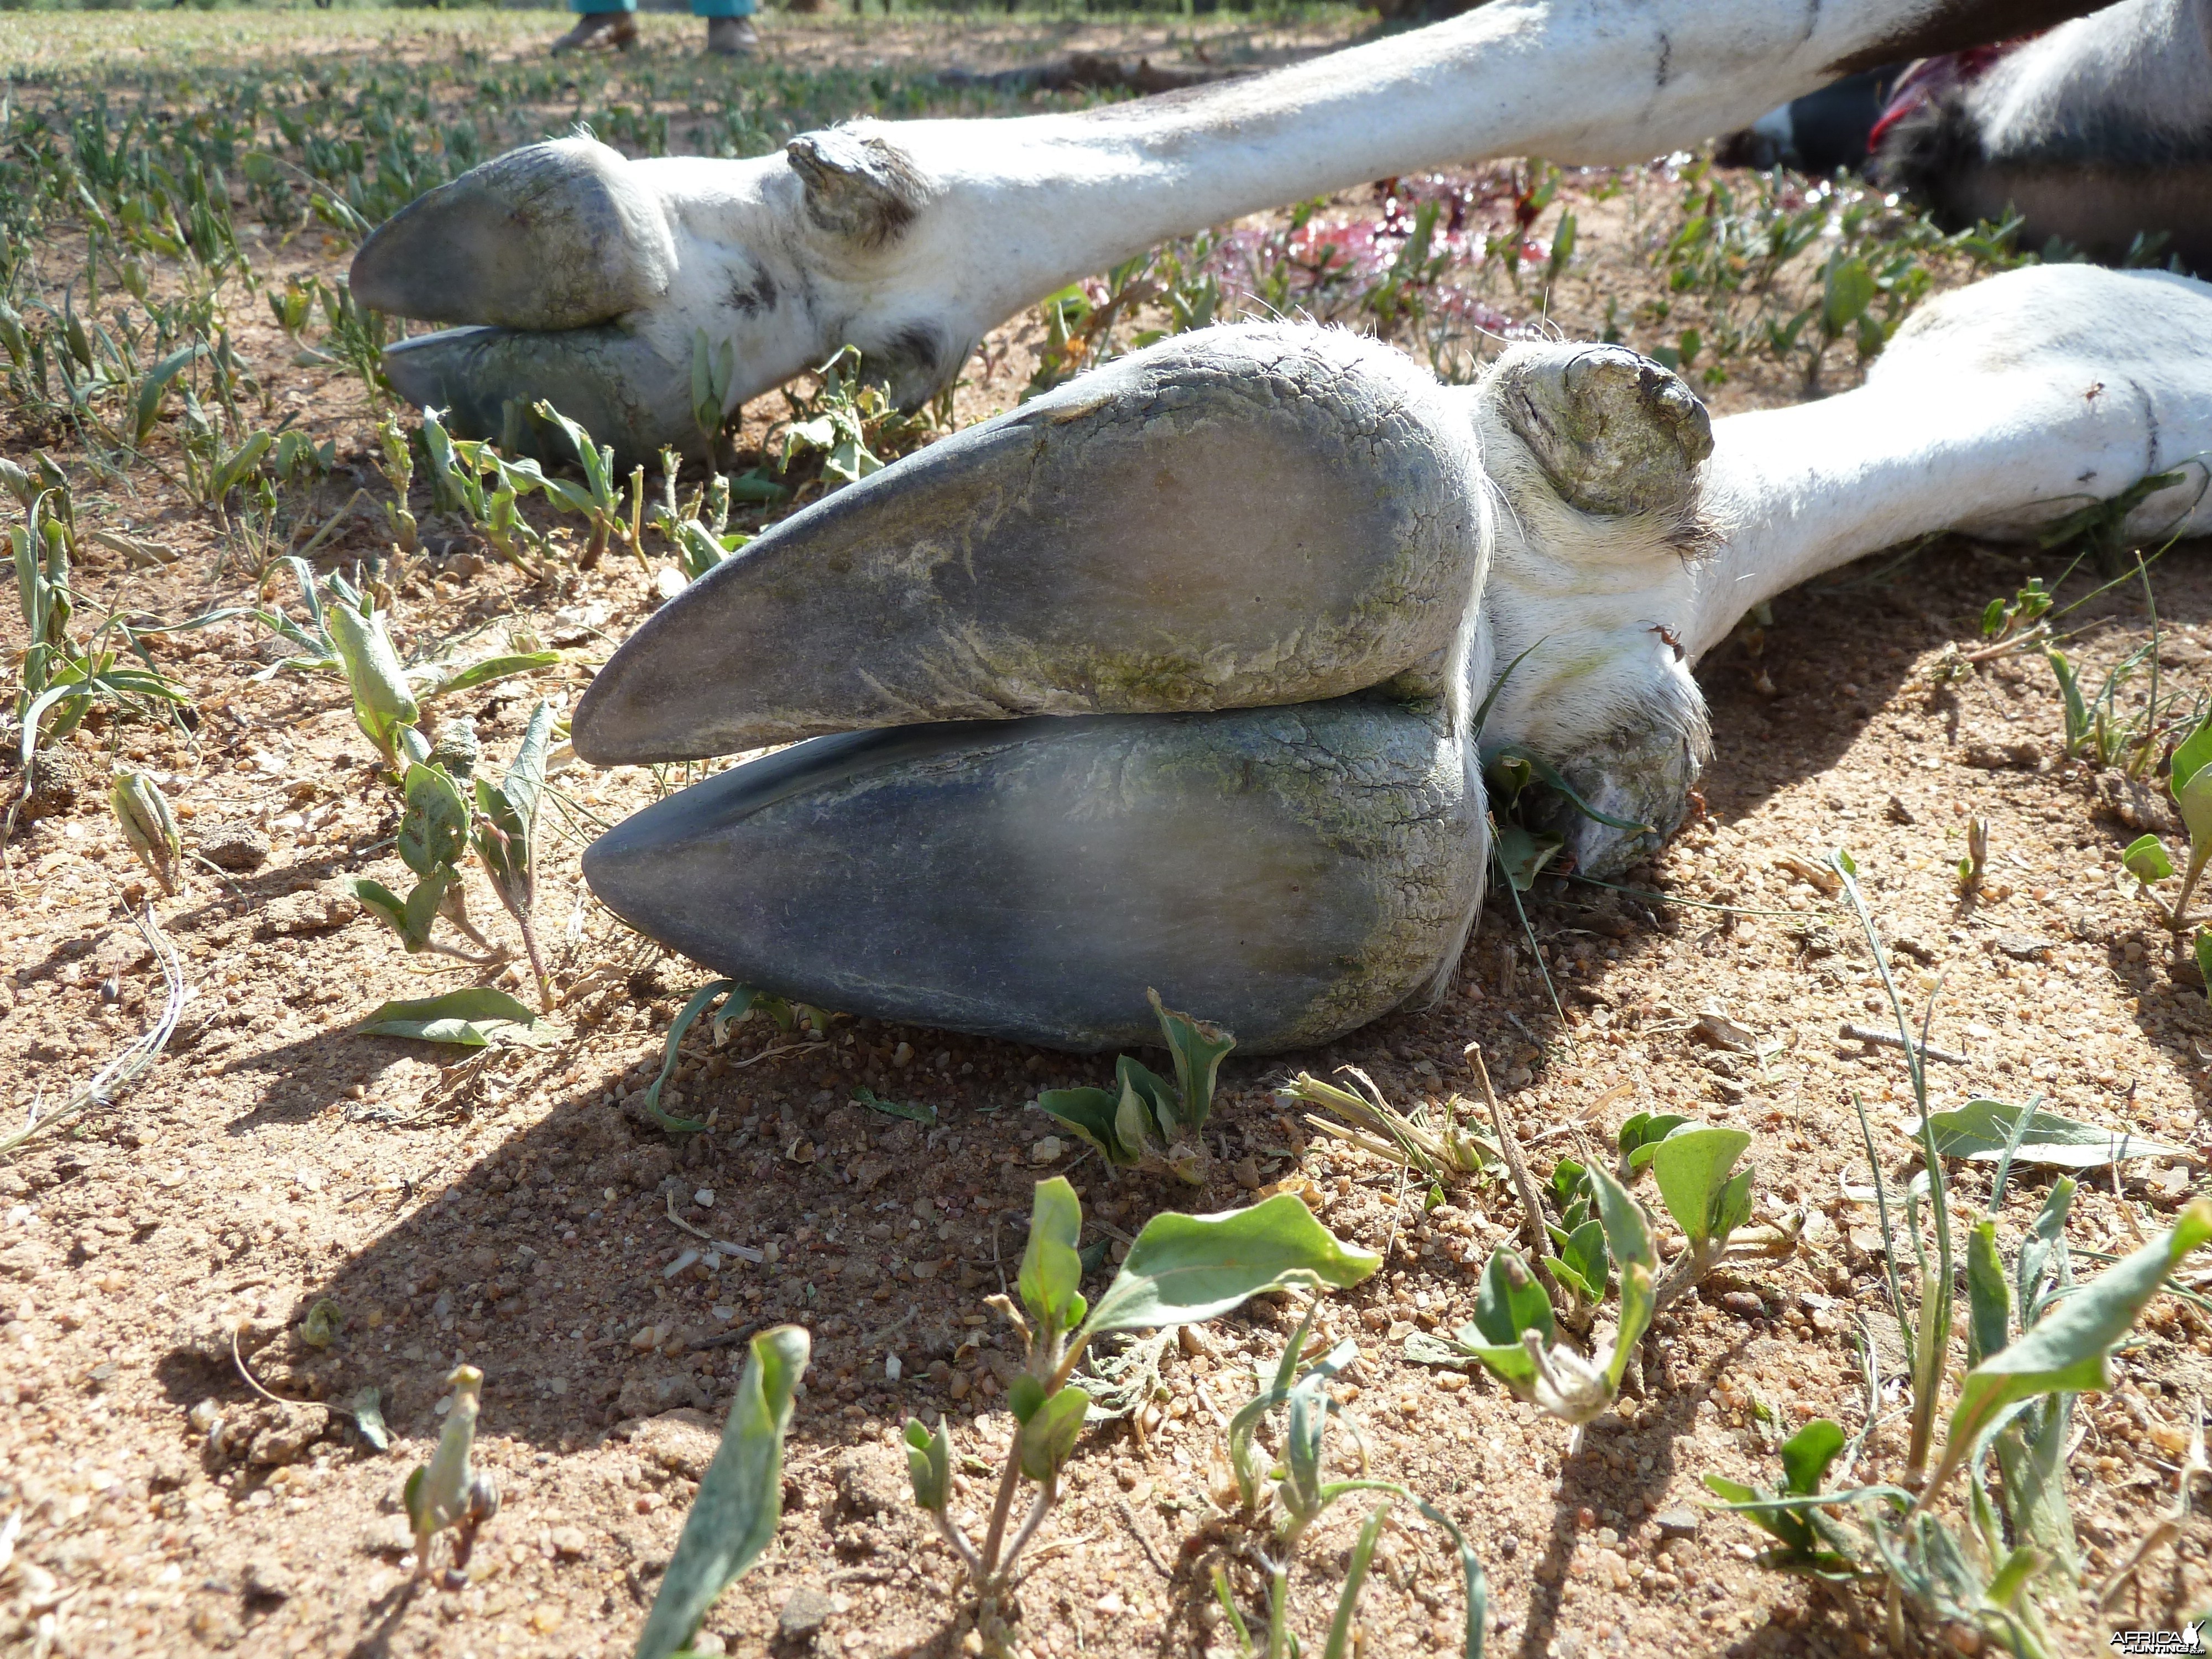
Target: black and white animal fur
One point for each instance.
(2098, 132)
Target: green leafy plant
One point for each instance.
(360, 637)
(61, 680)
(1525, 791)
(434, 838)
(504, 832)
(360, 646)
(848, 421)
(723, 1003)
(1438, 1151)
(1989, 1131)
(1145, 1120)
(471, 478)
(2190, 779)
(1604, 1238)
(2002, 618)
(395, 459)
(448, 1494)
(1180, 1270)
(476, 1016)
(699, 532)
(598, 499)
(714, 373)
(142, 813)
(740, 1498)
(1291, 1491)
(2035, 1339)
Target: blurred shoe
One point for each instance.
(730, 36)
(599, 28)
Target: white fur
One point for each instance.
(1996, 410)
(1015, 208)
(2143, 64)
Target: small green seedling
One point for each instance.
(504, 831)
(723, 1003)
(469, 477)
(740, 1498)
(1437, 1152)
(2034, 1342)
(447, 1495)
(2147, 858)
(1989, 1131)
(1514, 1332)
(59, 679)
(212, 470)
(395, 459)
(600, 498)
(434, 838)
(2003, 619)
(1181, 1270)
(387, 698)
(382, 702)
(1973, 869)
(1292, 1493)
(1145, 1120)
(475, 1017)
(837, 430)
(849, 422)
(1604, 1236)
(714, 375)
(146, 406)
(142, 814)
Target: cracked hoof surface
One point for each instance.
(1614, 432)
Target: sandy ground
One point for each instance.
(515, 1211)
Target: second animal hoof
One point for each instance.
(1614, 432)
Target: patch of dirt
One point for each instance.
(513, 1209)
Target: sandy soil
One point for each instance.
(515, 1211)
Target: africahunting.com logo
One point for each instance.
(2189, 1638)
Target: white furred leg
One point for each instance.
(911, 239)
(1996, 410)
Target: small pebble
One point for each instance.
(804, 1612)
(236, 846)
(704, 1198)
(267, 1581)
(1676, 1523)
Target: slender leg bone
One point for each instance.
(911, 239)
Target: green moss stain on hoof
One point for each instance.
(1235, 518)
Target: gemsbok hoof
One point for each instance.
(1183, 676)
(1614, 432)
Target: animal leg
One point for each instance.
(911, 239)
